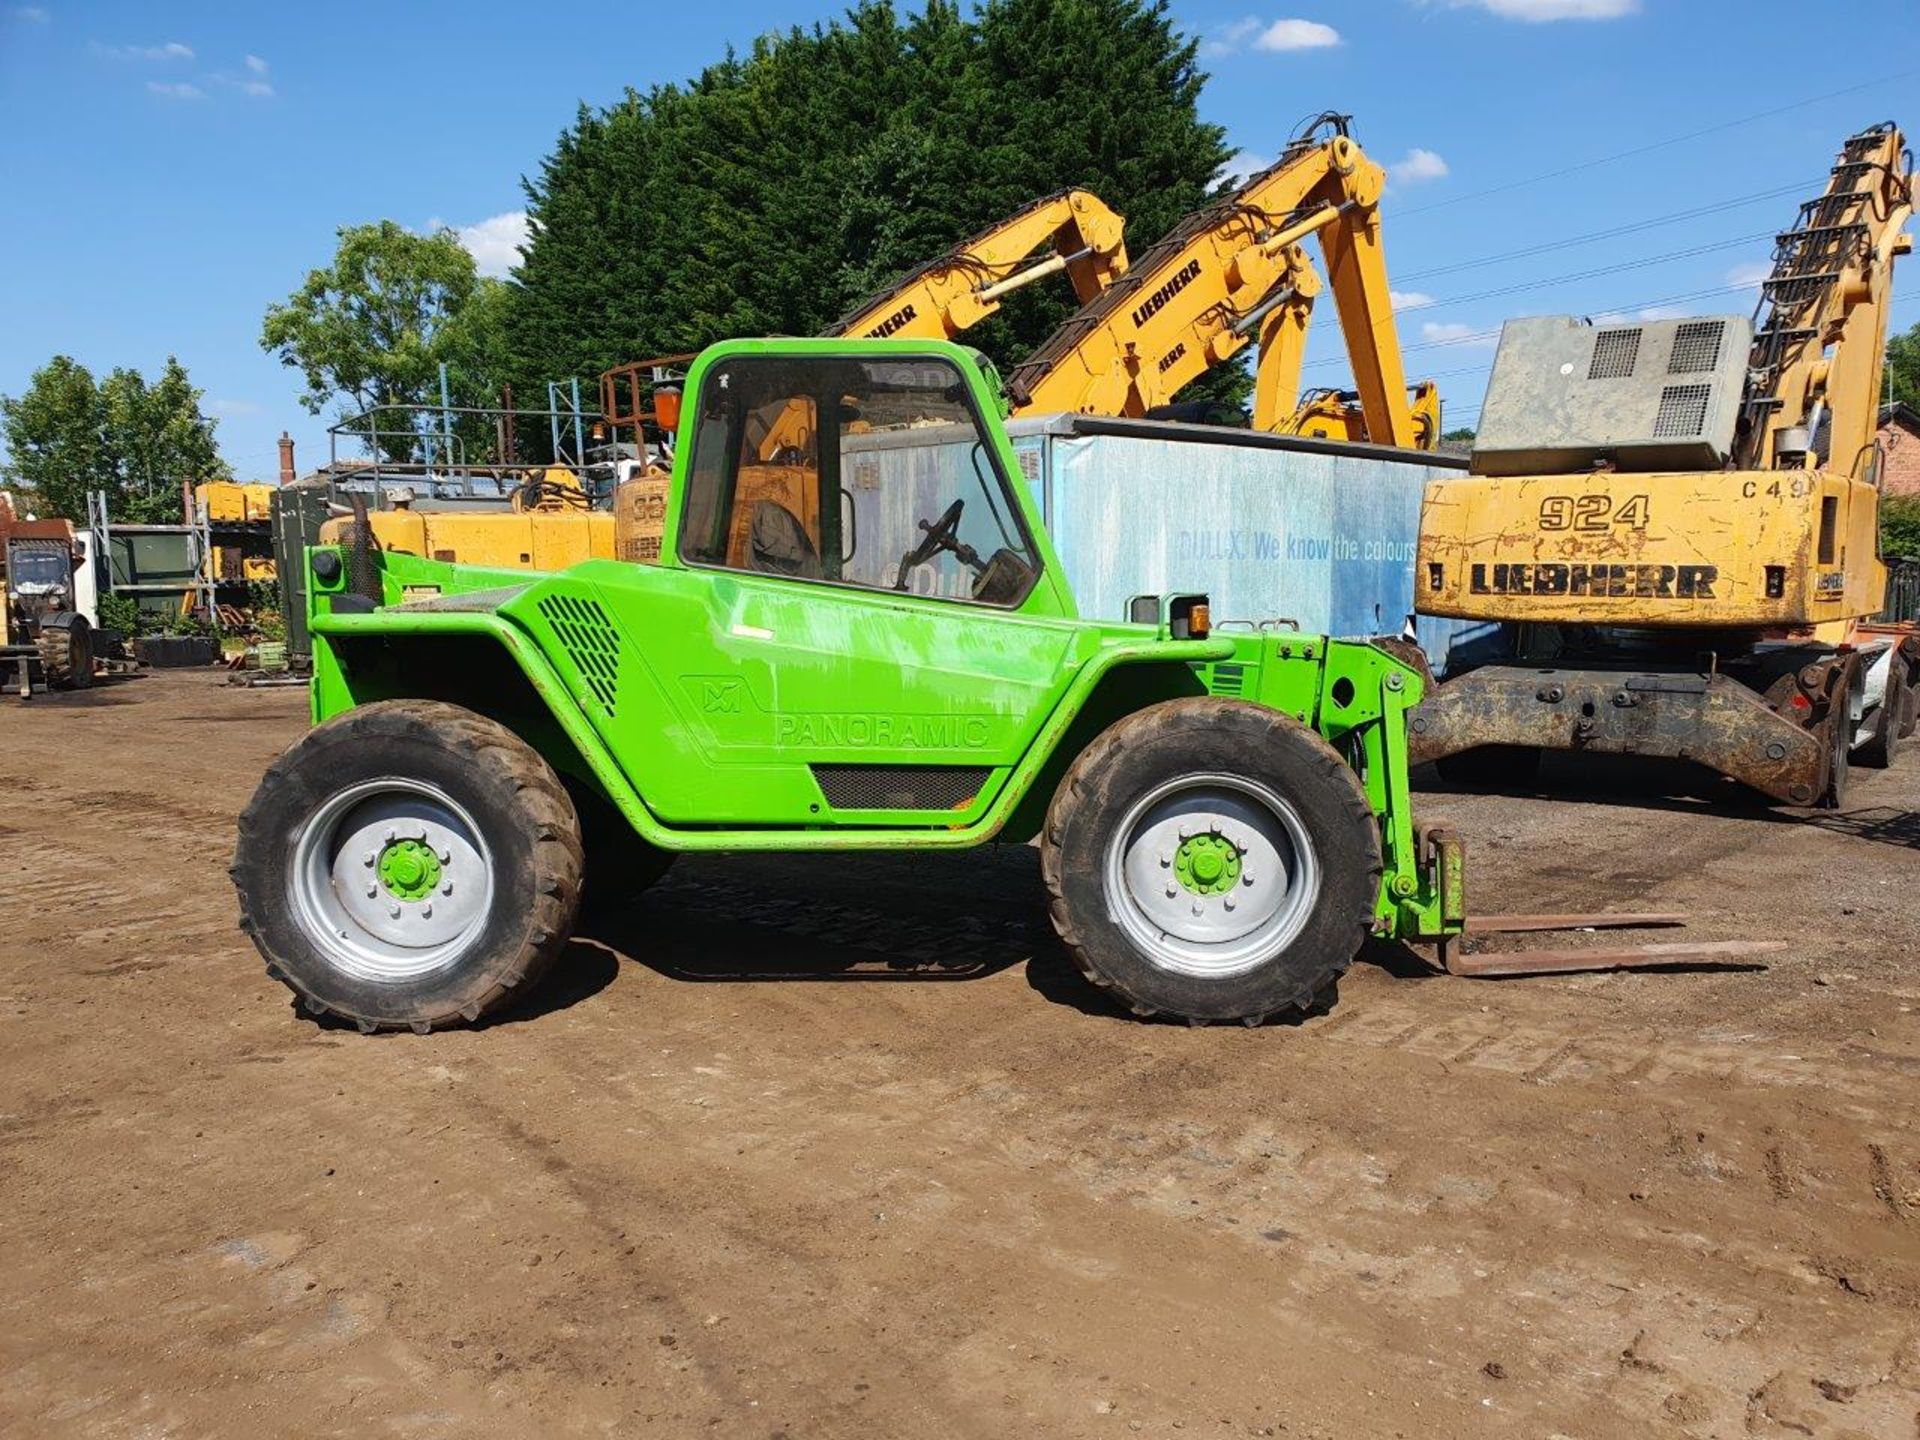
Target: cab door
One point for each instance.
(855, 632)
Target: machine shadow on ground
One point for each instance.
(762, 919)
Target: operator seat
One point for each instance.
(778, 544)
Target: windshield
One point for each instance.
(39, 569)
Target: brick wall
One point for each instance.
(1900, 469)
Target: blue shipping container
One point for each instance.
(1269, 527)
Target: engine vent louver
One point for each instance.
(1614, 354)
(1696, 347)
(900, 787)
(1683, 410)
(591, 643)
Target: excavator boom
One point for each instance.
(1232, 274)
(961, 288)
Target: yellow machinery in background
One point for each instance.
(550, 525)
(1235, 273)
(963, 287)
(1328, 414)
(234, 502)
(1674, 523)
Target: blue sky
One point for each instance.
(175, 168)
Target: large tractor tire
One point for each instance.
(65, 642)
(409, 863)
(1212, 860)
(1884, 727)
(1838, 727)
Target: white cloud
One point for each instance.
(258, 89)
(180, 91)
(1296, 35)
(1243, 165)
(32, 14)
(1230, 37)
(494, 242)
(172, 50)
(235, 407)
(1540, 12)
(1438, 332)
(1417, 166)
(1749, 273)
(1409, 299)
(256, 65)
(1646, 312)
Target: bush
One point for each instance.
(1900, 527)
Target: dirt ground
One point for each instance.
(845, 1149)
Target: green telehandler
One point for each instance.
(857, 637)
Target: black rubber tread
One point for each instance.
(1838, 728)
(1877, 751)
(505, 780)
(66, 654)
(1231, 736)
(1911, 714)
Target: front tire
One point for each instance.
(1213, 860)
(66, 652)
(408, 863)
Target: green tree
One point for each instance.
(776, 190)
(373, 328)
(56, 438)
(1903, 368)
(67, 435)
(1900, 527)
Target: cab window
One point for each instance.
(870, 472)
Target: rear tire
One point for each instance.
(1839, 765)
(1876, 752)
(408, 863)
(66, 652)
(1260, 831)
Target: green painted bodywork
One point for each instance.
(699, 701)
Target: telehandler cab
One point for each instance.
(861, 641)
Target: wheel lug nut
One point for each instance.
(446, 855)
(1172, 891)
(1227, 903)
(392, 835)
(368, 858)
(426, 911)
(447, 889)
(372, 891)
(1198, 908)
(394, 911)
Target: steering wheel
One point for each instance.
(941, 534)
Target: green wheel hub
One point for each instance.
(1207, 864)
(409, 870)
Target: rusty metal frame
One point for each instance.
(1702, 716)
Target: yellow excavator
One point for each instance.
(1673, 524)
(1235, 273)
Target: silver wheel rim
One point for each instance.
(1216, 935)
(352, 918)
